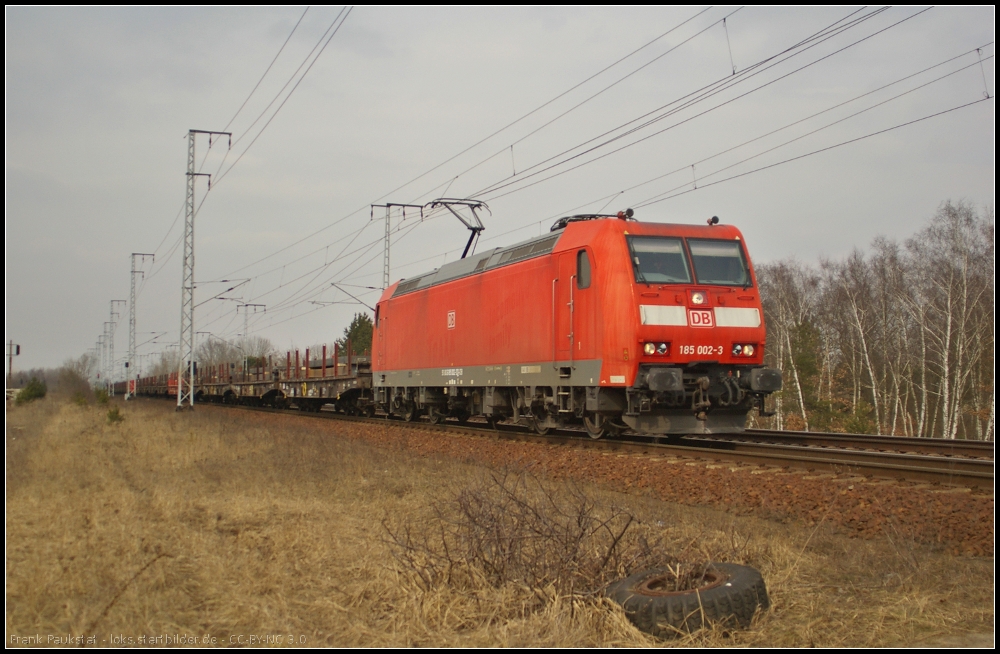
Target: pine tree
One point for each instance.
(360, 334)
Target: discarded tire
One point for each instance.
(730, 597)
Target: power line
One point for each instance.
(474, 145)
(810, 133)
(256, 86)
(809, 154)
(707, 91)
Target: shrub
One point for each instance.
(101, 396)
(114, 415)
(512, 528)
(80, 399)
(34, 390)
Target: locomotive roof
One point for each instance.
(529, 249)
(477, 263)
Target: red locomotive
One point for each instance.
(604, 321)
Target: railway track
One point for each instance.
(965, 463)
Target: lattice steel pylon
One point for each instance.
(185, 385)
(385, 252)
(111, 347)
(102, 343)
(130, 368)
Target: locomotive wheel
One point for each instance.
(434, 416)
(410, 412)
(462, 417)
(730, 595)
(536, 424)
(596, 424)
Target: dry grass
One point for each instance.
(225, 524)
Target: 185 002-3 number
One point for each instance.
(702, 349)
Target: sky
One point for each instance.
(813, 130)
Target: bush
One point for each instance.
(34, 390)
(114, 415)
(101, 396)
(80, 399)
(512, 528)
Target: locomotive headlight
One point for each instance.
(748, 350)
(737, 350)
(661, 348)
(697, 298)
(649, 348)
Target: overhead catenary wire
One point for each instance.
(267, 70)
(496, 187)
(247, 131)
(469, 148)
(779, 129)
(817, 130)
(820, 150)
(804, 41)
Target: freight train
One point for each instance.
(605, 322)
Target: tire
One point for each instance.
(730, 598)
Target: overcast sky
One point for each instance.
(99, 103)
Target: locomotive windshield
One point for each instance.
(663, 260)
(659, 260)
(719, 262)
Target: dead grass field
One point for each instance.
(220, 524)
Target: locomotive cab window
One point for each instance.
(719, 262)
(582, 270)
(658, 260)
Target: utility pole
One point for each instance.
(185, 386)
(388, 208)
(13, 350)
(246, 334)
(112, 370)
(130, 364)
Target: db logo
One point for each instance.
(451, 320)
(700, 318)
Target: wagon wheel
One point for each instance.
(536, 424)
(410, 412)
(434, 416)
(596, 424)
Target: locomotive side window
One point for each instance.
(719, 262)
(582, 270)
(658, 260)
